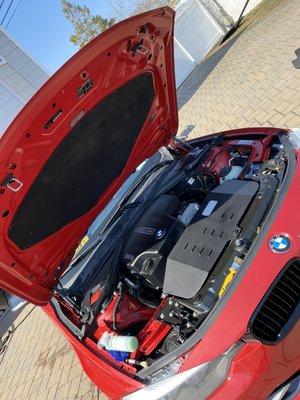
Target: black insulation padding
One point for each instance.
(82, 167)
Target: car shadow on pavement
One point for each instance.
(192, 83)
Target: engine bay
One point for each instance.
(181, 252)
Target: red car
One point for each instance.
(186, 284)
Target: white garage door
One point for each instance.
(196, 33)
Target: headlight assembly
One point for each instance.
(195, 384)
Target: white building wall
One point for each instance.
(20, 77)
(9, 106)
(234, 7)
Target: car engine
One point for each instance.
(159, 229)
(186, 247)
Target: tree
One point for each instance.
(86, 25)
(147, 5)
(124, 8)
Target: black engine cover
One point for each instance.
(152, 240)
(204, 240)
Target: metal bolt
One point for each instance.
(162, 315)
(171, 314)
(176, 304)
(170, 301)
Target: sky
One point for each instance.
(41, 29)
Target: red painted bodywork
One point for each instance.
(220, 158)
(258, 368)
(131, 312)
(26, 145)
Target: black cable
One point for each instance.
(12, 15)
(1, 4)
(7, 11)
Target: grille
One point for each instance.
(279, 309)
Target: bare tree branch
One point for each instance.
(86, 26)
(123, 8)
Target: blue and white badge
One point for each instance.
(280, 244)
(160, 233)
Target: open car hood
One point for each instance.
(65, 155)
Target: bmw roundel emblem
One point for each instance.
(160, 233)
(280, 243)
